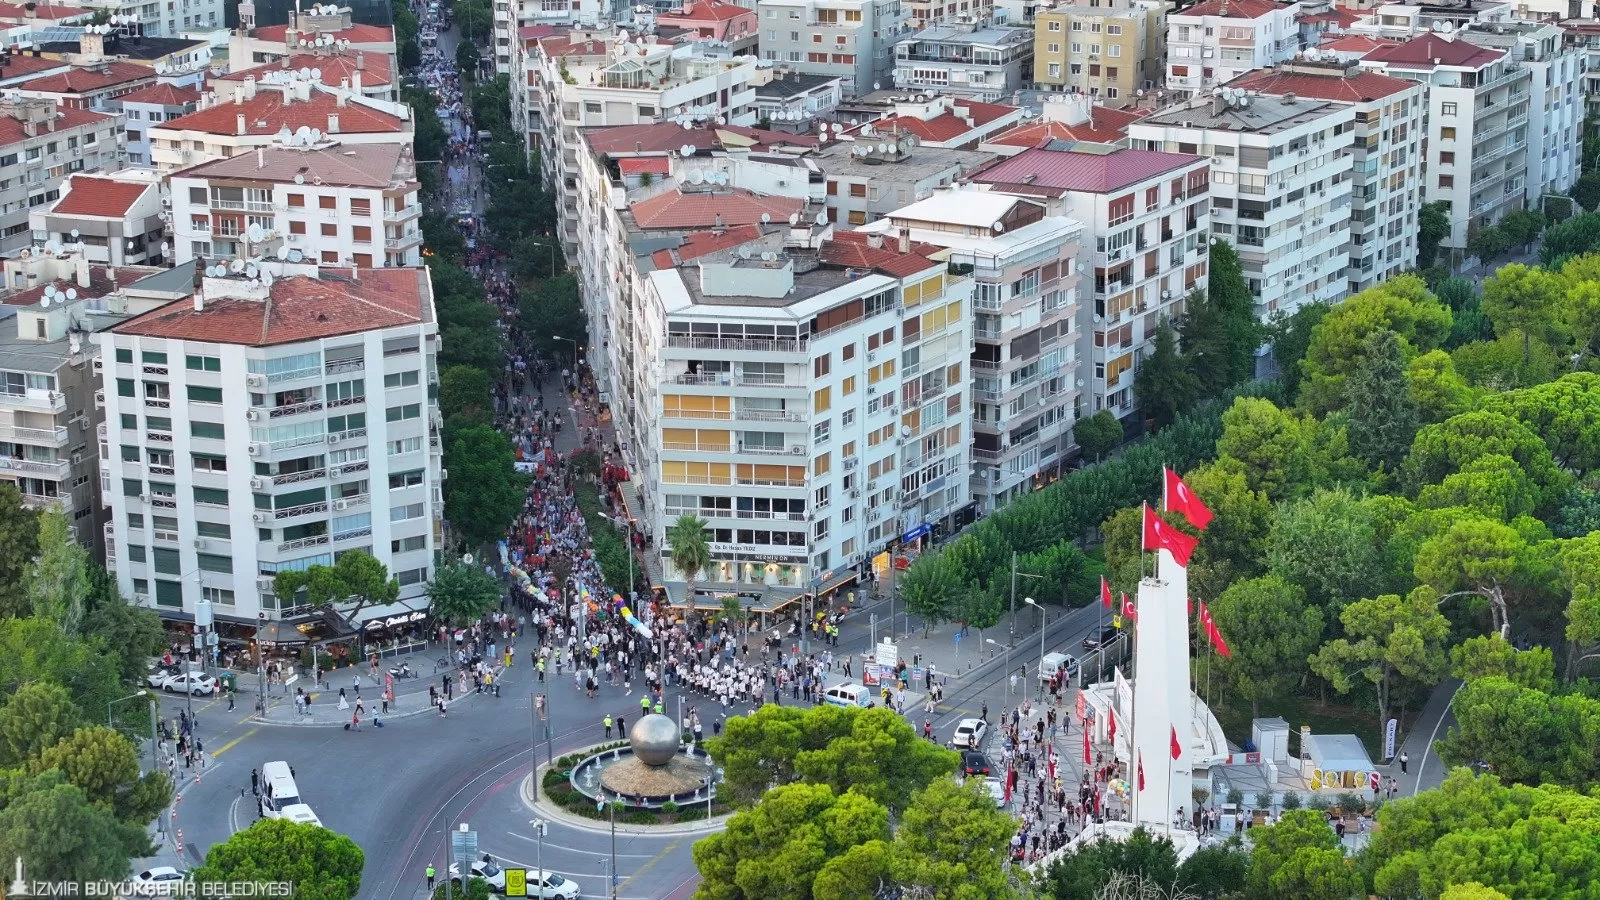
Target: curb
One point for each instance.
(596, 826)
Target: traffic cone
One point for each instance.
(180, 841)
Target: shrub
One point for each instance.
(1291, 800)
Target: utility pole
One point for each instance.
(1012, 626)
(613, 850)
(261, 670)
(533, 750)
(540, 826)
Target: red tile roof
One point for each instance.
(1339, 16)
(1070, 170)
(355, 34)
(21, 66)
(334, 68)
(533, 32)
(568, 44)
(638, 165)
(66, 117)
(665, 136)
(1106, 126)
(706, 10)
(1355, 43)
(100, 284)
(300, 308)
(943, 128)
(20, 13)
(705, 243)
(88, 196)
(162, 95)
(84, 80)
(1421, 51)
(854, 250)
(700, 209)
(1232, 9)
(268, 112)
(1363, 85)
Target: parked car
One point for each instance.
(158, 676)
(970, 734)
(161, 881)
(1100, 638)
(1057, 662)
(975, 763)
(493, 875)
(196, 683)
(997, 790)
(551, 886)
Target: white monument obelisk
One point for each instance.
(1161, 696)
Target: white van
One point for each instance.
(847, 694)
(278, 790)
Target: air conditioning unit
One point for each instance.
(871, 389)
(444, 474)
(264, 583)
(255, 380)
(254, 450)
(253, 414)
(1115, 254)
(341, 504)
(855, 495)
(144, 498)
(199, 543)
(335, 471)
(872, 356)
(1166, 295)
(333, 439)
(258, 484)
(258, 517)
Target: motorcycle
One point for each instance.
(402, 671)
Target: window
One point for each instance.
(205, 394)
(401, 413)
(124, 387)
(218, 596)
(327, 203)
(202, 363)
(407, 445)
(361, 234)
(407, 479)
(848, 387)
(130, 421)
(1447, 109)
(411, 576)
(169, 593)
(166, 561)
(124, 355)
(297, 201)
(400, 379)
(1447, 134)
(822, 400)
(408, 544)
(205, 462)
(130, 454)
(329, 229)
(211, 496)
(206, 430)
(360, 206)
(297, 227)
(212, 562)
(213, 529)
(402, 513)
(1447, 181)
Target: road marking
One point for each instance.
(665, 852)
(1422, 764)
(576, 850)
(229, 745)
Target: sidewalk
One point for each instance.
(410, 699)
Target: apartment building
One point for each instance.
(48, 381)
(809, 401)
(89, 87)
(1149, 213)
(112, 220)
(1106, 51)
(251, 44)
(1583, 37)
(589, 78)
(1215, 41)
(1026, 356)
(1556, 82)
(965, 61)
(248, 115)
(851, 39)
(1387, 177)
(365, 74)
(339, 206)
(241, 444)
(41, 144)
(935, 120)
(1282, 187)
(928, 13)
(165, 20)
(1477, 121)
(714, 20)
(874, 175)
(150, 106)
(183, 61)
(1066, 117)
(790, 102)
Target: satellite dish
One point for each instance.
(45, 300)
(686, 151)
(250, 271)
(283, 252)
(316, 135)
(266, 278)
(72, 293)
(766, 218)
(822, 218)
(49, 290)
(876, 86)
(74, 233)
(164, 248)
(838, 127)
(254, 233)
(299, 179)
(236, 266)
(999, 227)
(295, 256)
(883, 148)
(794, 219)
(768, 256)
(316, 74)
(53, 246)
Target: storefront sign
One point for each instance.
(916, 532)
(401, 619)
(758, 553)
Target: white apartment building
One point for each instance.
(151, 106)
(1388, 173)
(1583, 37)
(251, 44)
(248, 115)
(1150, 216)
(851, 39)
(340, 206)
(113, 220)
(782, 410)
(1215, 41)
(1281, 187)
(1477, 121)
(41, 144)
(239, 445)
(1556, 83)
(965, 61)
(166, 20)
(1026, 383)
(588, 78)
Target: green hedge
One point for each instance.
(1081, 501)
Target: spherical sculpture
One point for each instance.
(654, 739)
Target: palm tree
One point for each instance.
(690, 552)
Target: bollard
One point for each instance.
(180, 841)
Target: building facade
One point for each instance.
(965, 62)
(236, 451)
(146, 108)
(41, 144)
(113, 220)
(1106, 51)
(851, 39)
(1215, 41)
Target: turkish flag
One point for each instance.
(1177, 748)
(1128, 609)
(1181, 499)
(1158, 535)
(1105, 592)
(1086, 746)
(1213, 633)
(1141, 771)
(1113, 723)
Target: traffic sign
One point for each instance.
(516, 882)
(464, 847)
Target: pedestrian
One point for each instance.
(255, 782)
(1404, 759)
(607, 722)
(430, 876)
(355, 721)
(386, 704)
(622, 726)
(357, 680)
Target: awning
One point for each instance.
(843, 579)
(1338, 753)
(392, 614)
(178, 615)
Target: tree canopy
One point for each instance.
(322, 864)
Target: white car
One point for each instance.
(551, 887)
(1057, 662)
(493, 875)
(159, 675)
(299, 812)
(190, 683)
(997, 790)
(970, 734)
(162, 881)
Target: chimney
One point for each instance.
(355, 81)
(238, 94)
(344, 97)
(718, 226)
(361, 60)
(905, 239)
(199, 302)
(250, 87)
(875, 241)
(261, 158)
(82, 262)
(238, 124)
(333, 122)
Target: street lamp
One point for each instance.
(1033, 603)
(1008, 666)
(1012, 627)
(121, 700)
(540, 826)
(557, 337)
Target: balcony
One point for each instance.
(298, 477)
(158, 402)
(987, 334)
(57, 470)
(302, 441)
(770, 415)
(302, 543)
(408, 239)
(295, 409)
(161, 470)
(353, 501)
(401, 215)
(987, 456)
(354, 364)
(347, 401)
(42, 437)
(48, 501)
(307, 509)
(755, 345)
(353, 534)
(990, 304)
(352, 434)
(158, 437)
(36, 401)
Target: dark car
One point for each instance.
(974, 763)
(1101, 639)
